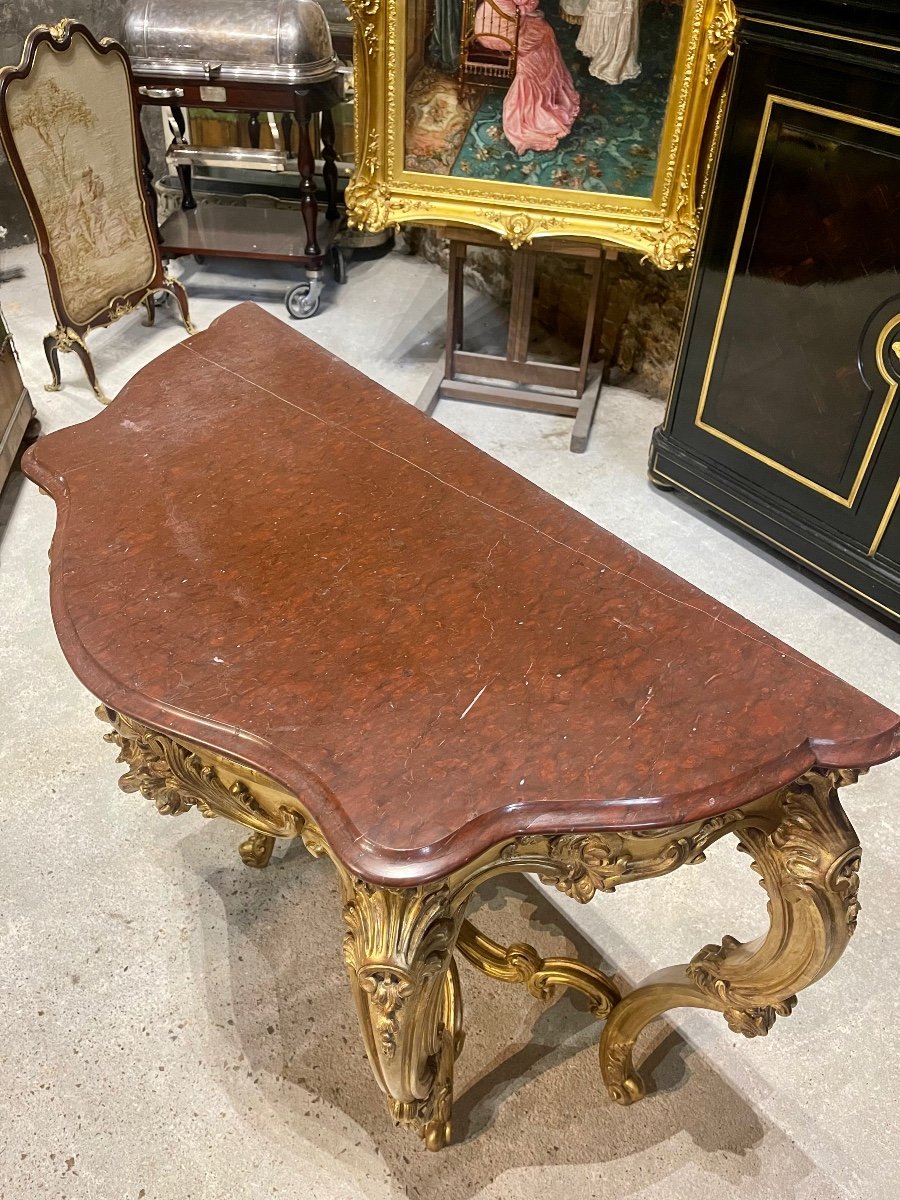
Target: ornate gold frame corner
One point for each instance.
(663, 228)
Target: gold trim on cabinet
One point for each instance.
(848, 587)
(885, 520)
(844, 501)
(836, 37)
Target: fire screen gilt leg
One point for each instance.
(51, 349)
(67, 340)
(81, 350)
(176, 288)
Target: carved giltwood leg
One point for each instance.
(398, 951)
(808, 855)
(399, 943)
(256, 850)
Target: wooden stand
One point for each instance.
(514, 380)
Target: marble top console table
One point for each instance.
(309, 609)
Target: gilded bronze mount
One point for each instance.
(399, 943)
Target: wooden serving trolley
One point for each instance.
(246, 56)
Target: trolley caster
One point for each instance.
(302, 301)
(338, 265)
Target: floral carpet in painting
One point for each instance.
(614, 143)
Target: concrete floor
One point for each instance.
(175, 1025)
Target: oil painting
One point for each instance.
(541, 117)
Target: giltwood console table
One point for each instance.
(309, 609)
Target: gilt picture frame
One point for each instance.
(540, 118)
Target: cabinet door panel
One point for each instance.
(798, 391)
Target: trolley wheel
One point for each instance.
(338, 265)
(300, 304)
(200, 260)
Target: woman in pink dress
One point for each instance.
(541, 104)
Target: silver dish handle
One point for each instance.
(162, 93)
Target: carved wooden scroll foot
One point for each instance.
(808, 856)
(256, 850)
(398, 950)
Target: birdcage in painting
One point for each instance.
(489, 43)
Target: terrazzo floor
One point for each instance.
(176, 1027)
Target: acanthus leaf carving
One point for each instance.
(177, 779)
(720, 36)
(809, 866)
(677, 236)
(582, 864)
(364, 13)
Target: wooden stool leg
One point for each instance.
(808, 855)
(584, 418)
(456, 303)
(431, 392)
(590, 317)
(306, 166)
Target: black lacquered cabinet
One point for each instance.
(784, 412)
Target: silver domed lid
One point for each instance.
(284, 40)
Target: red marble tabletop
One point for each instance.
(262, 550)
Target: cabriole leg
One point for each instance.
(51, 349)
(177, 289)
(398, 951)
(808, 855)
(87, 362)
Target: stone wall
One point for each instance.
(17, 19)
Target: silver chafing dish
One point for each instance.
(251, 56)
(272, 41)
